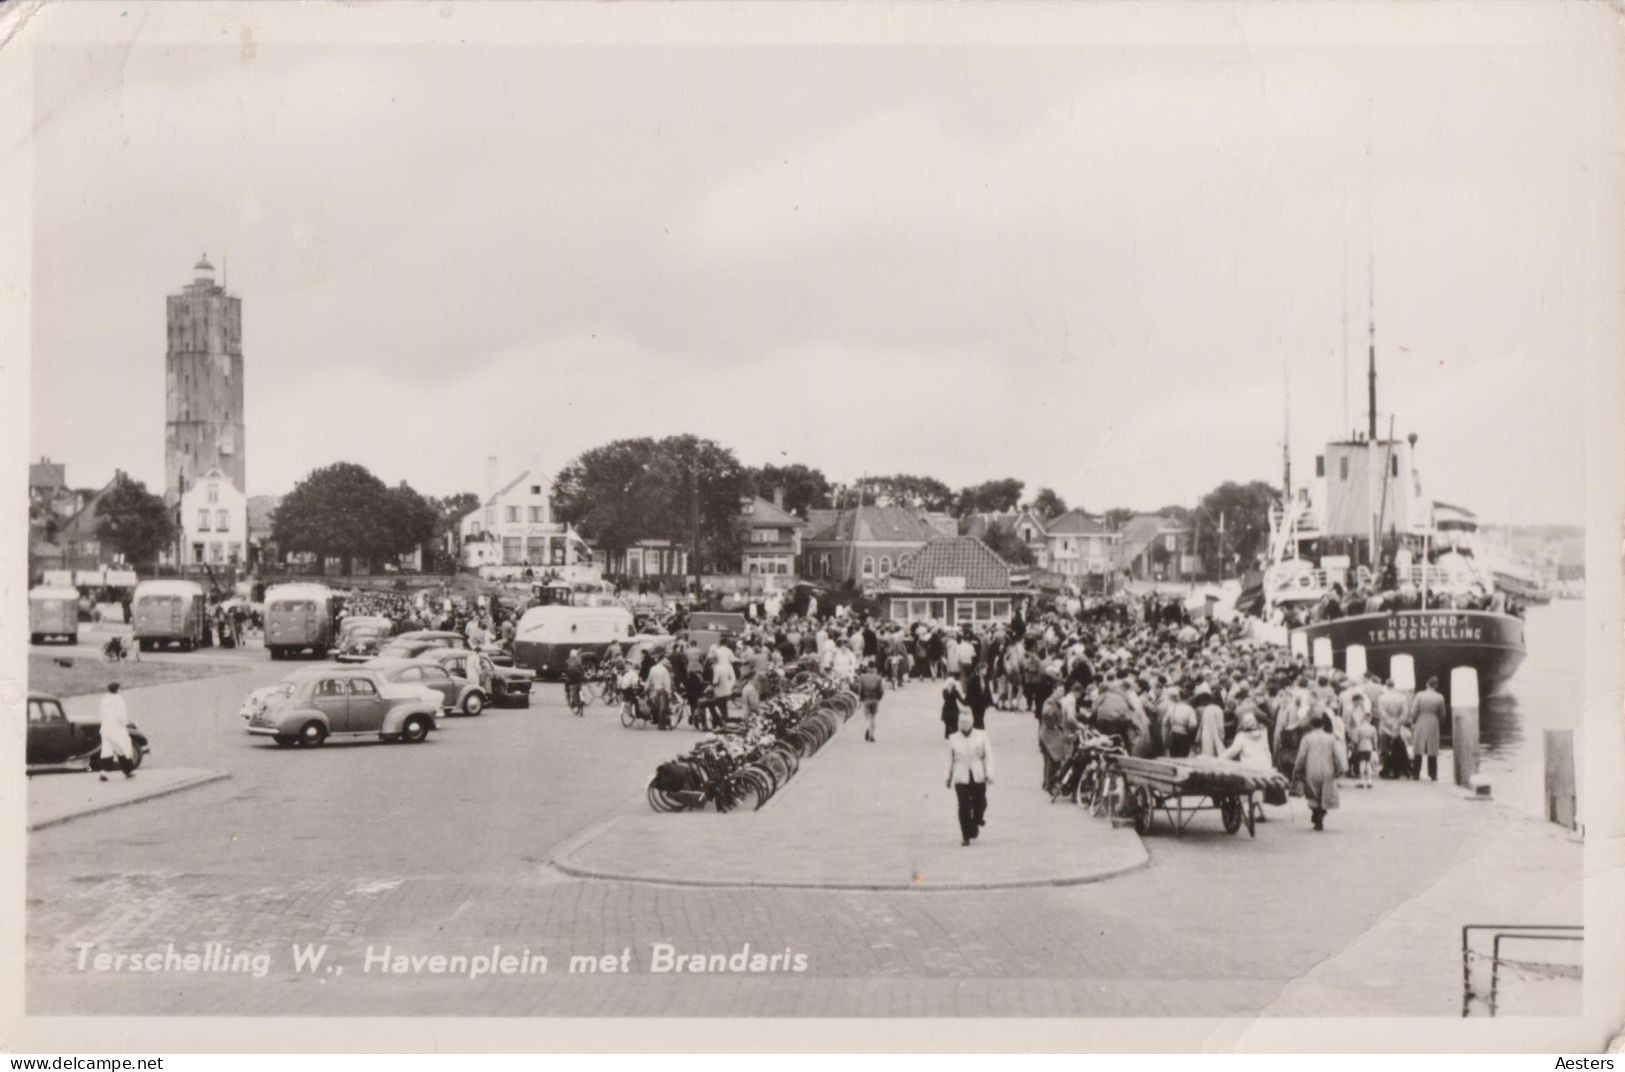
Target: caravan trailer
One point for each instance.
(546, 635)
(171, 612)
(299, 617)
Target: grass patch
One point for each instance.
(89, 673)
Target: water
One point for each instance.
(1547, 693)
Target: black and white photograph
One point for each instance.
(1098, 522)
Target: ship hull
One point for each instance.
(1437, 640)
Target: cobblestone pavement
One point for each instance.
(442, 848)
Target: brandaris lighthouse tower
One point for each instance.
(205, 462)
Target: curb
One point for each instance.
(200, 779)
(560, 861)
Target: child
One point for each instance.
(1365, 742)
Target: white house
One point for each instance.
(1080, 545)
(214, 522)
(514, 530)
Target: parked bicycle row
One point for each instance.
(749, 760)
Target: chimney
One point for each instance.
(778, 496)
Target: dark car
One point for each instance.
(360, 639)
(507, 685)
(456, 693)
(57, 741)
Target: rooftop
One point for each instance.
(873, 524)
(962, 557)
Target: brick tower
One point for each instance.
(203, 385)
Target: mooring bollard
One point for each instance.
(1323, 652)
(1354, 661)
(1561, 803)
(1464, 723)
(1402, 668)
(1299, 643)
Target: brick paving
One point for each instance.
(444, 848)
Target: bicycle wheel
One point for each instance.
(628, 715)
(1088, 788)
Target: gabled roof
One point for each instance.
(509, 486)
(764, 514)
(956, 556)
(47, 475)
(876, 524)
(1077, 523)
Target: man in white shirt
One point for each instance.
(659, 685)
(117, 748)
(970, 772)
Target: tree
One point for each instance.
(804, 488)
(1118, 516)
(453, 508)
(1004, 542)
(1048, 505)
(344, 511)
(133, 521)
(413, 520)
(992, 496)
(678, 488)
(902, 489)
(1245, 510)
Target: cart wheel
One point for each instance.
(1141, 804)
(627, 717)
(1230, 810)
(1251, 813)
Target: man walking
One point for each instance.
(970, 772)
(117, 748)
(871, 687)
(1427, 715)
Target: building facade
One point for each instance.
(214, 523)
(203, 386)
(770, 537)
(652, 559)
(958, 582)
(861, 547)
(1079, 545)
(513, 530)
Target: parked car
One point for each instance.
(411, 645)
(56, 741)
(360, 639)
(504, 685)
(457, 694)
(347, 700)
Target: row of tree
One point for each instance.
(680, 488)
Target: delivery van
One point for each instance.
(53, 612)
(545, 636)
(299, 617)
(171, 612)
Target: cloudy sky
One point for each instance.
(1091, 267)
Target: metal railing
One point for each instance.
(1506, 932)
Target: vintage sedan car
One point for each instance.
(504, 685)
(348, 701)
(360, 639)
(458, 695)
(57, 742)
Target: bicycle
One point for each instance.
(574, 698)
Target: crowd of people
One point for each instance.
(1165, 682)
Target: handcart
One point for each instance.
(1183, 788)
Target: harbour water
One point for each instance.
(1547, 693)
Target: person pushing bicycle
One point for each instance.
(574, 674)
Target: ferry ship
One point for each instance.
(1366, 525)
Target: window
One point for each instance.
(511, 515)
(203, 521)
(434, 675)
(823, 564)
(868, 566)
(411, 673)
(512, 554)
(536, 517)
(214, 493)
(558, 552)
(535, 489)
(885, 565)
(329, 689)
(536, 550)
(222, 520)
(964, 611)
(360, 686)
(1001, 610)
(474, 528)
